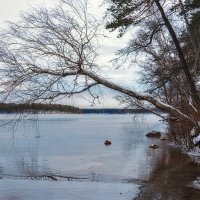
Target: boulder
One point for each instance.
(153, 146)
(154, 134)
(163, 138)
(107, 142)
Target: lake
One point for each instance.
(63, 157)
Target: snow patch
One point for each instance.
(196, 140)
(192, 133)
(64, 190)
(195, 153)
(196, 183)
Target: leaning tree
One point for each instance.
(167, 40)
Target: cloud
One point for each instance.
(10, 10)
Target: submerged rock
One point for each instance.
(163, 138)
(155, 134)
(194, 164)
(107, 142)
(153, 146)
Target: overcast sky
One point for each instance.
(10, 11)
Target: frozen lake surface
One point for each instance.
(63, 156)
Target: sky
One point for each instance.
(10, 11)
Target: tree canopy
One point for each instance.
(167, 39)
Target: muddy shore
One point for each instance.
(173, 177)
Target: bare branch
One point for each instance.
(52, 54)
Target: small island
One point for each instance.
(37, 108)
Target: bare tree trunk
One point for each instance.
(142, 97)
(186, 20)
(185, 67)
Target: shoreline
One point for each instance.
(173, 178)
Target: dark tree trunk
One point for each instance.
(185, 67)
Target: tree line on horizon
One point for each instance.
(36, 108)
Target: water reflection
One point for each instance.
(76, 147)
(26, 157)
(73, 149)
(170, 176)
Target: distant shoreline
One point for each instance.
(113, 111)
(9, 108)
(38, 108)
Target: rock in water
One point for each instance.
(154, 134)
(107, 142)
(153, 146)
(163, 138)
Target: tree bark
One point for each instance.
(185, 67)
